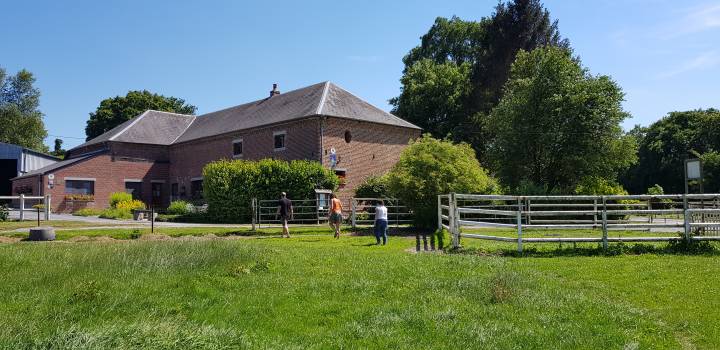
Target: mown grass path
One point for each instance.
(312, 291)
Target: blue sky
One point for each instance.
(216, 54)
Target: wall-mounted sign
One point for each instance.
(51, 181)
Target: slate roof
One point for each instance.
(151, 127)
(326, 98)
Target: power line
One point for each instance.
(67, 137)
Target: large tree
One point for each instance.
(488, 47)
(21, 122)
(664, 146)
(557, 125)
(116, 110)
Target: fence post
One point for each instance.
(47, 207)
(595, 209)
(529, 217)
(519, 225)
(688, 214)
(22, 206)
(453, 221)
(604, 223)
(439, 212)
(253, 206)
(353, 211)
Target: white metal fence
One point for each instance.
(28, 205)
(357, 211)
(659, 217)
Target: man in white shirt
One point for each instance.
(381, 222)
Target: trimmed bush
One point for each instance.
(230, 185)
(115, 213)
(179, 208)
(373, 187)
(117, 197)
(88, 212)
(429, 167)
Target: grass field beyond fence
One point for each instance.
(312, 291)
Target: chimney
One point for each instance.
(274, 91)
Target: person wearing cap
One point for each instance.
(285, 212)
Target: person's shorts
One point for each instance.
(284, 219)
(336, 218)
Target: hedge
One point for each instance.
(230, 185)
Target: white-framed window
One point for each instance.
(237, 148)
(79, 185)
(280, 140)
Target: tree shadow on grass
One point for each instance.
(692, 248)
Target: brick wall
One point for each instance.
(188, 159)
(110, 174)
(372, 150)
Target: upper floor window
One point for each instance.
(279, 138)
(79, 186)
(237, 148)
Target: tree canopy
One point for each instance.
(664, 146)
(557, 124)
(454, 78)
(116, 110)
(429, 167)
(21, 122)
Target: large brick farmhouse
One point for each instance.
(159, 156)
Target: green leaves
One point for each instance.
(21, 122)
(229, 186)
(429, 167)
(557, 124)
(115, 111)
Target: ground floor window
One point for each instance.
(196, 189)
(134, 188)
(174, 191)
(79, 187)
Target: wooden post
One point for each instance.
(529, 217)
(519, 225)
(688, 214)
(451, 222)
(595, 209)
(22, 206)
(604, 224)
(353, 211)
(152, 219)
(253, 211)
(47, 207)
(439, 213)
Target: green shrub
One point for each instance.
(130, 205)
(597, 186)
(373, 187)
(4, 212)
(115, 213)
(229, 185)
(117, 197)
(429, 167)
(179, 208)
(88, 212)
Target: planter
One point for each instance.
(71, 206)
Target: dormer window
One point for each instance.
(279, 138)
(237, 148)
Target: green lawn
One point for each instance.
(312, 291)
(14, 224)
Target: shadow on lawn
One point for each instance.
(615, 249)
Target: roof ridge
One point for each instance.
(112, 138)
(194, 118)
(323, 97)
(377, 108)
(166, 112)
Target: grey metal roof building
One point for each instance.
(17, 161)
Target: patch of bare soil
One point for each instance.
(79, 239)
(4, 239)
(154, 237)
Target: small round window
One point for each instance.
(348, 136)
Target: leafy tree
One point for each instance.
(58, 151)
(429, 167)
(116, 110)
(433, 96)
(664, 146)
(557, 124)
(711, 172)
(21, 122)
(454, 78)
(373, 187)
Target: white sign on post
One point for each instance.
(693, 169)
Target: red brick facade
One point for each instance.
(372, 150)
